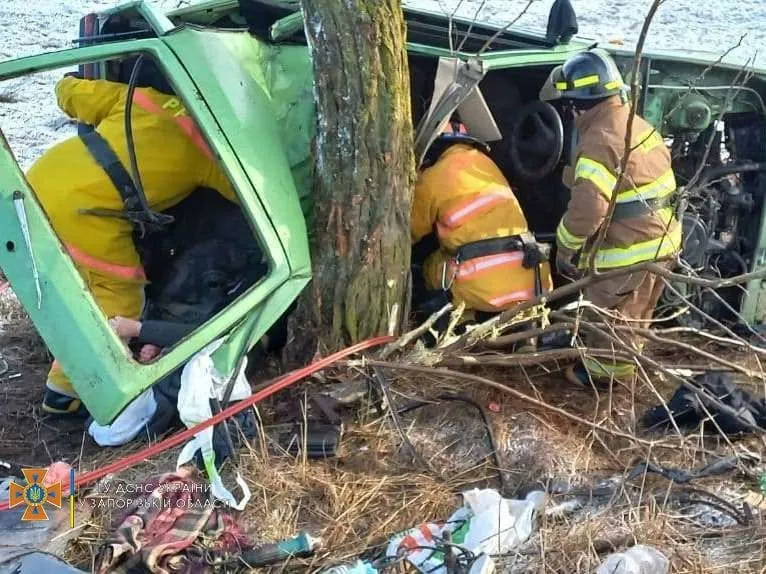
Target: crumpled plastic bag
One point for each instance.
(487, 523)
(128, 424)
(639, 559)
(201, 381)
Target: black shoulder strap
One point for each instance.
(104, 155)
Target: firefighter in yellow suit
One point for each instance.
(464, 197)
(173, 159)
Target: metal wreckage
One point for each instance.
(243, 71)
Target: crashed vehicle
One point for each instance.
(243, 71)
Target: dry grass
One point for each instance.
(375, 489)
(19, 341)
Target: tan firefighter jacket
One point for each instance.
(644, 226)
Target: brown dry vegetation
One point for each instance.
(375, 489)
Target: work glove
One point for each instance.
(565, 264)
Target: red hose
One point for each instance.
(183, 436)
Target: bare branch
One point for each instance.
(470, 28)
(505, 28)
(510, 316)
(727, 102)
(628, 137)
(416, 333)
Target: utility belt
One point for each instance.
(534, 254)
(642, 208)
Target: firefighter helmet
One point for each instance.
(454, 132)
(591, 75)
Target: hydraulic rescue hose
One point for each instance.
(134, 172)
(183, 436)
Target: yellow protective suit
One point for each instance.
(173, 160)
(465, 196)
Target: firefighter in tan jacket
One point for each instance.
(643, 227)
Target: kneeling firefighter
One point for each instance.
(96, 207)
(470, 232)
(644, 226)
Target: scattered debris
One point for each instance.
(732, 410)
(201, 379)
(174, 522)
(487, 524)
(637, 560)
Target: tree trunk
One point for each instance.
(363, 178)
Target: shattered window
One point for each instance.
(143, 207)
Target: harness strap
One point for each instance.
(105, 157)
(486, 247)
(634, 209)
(534, 253)
(134, 210)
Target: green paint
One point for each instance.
(103, 374)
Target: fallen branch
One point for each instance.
(416, 333)
(521, 359)
(507, 318)
(701, 393)
(507, 340)
(652, 336)
(515, 393)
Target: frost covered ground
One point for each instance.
(29, 116)
(711, 25)
(31, 121)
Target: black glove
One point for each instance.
(77, 75)
(565, 265)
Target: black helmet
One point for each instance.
(453, 133)
(590, 75)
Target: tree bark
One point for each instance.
(364, 172)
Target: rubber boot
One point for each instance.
(61, 405)
(578, 375)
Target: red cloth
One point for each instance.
(170, 528)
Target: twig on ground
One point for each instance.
(701, 393)
(519, 395)
(416, 333)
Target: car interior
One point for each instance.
(721, 224)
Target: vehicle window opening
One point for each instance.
(507, 92)
(175, 254)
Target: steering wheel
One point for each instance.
(536, 141)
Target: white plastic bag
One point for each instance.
(498, 524)
(486, 524)
(639, 559)
(201, 381)
(128, 424)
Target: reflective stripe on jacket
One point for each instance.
(649, 176)
(466, 198)
(173, 160)
(465, 195)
